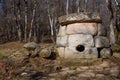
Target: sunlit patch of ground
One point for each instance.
(14, 65)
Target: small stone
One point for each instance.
(65, 69)
(53, 74)
(72, 68)
(24, 74)
(87, 74)
(84, 67)
(100, 75)
(68, 72)
(79, 69)
(30, 46)
(105, 53)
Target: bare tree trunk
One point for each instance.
(67, 7)
(112, 34)
(78, 6)
(25, 29)
(33, 16)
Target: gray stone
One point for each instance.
(30, 46)
(87, 74)
(102, 31)
(79, 17)
(82, 28)
(105, 52)
(80, 39)
(62, 41)
(61, 51)
(62, 31)
(101, 41)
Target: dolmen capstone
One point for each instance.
(82, 35)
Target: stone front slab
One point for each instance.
(71, 52)
(80, 39)
(62, 41)
(102, 31)
(101, 42)
(62, 31)
(82, 28)
(79, 17)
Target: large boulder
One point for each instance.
(79, 17)
(82, 28)
(30, 46)
(102, 42)
(81, 39)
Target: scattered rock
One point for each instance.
(30, 46)
(100, 75)
(87, 74)
(105, 53)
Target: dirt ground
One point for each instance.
(15, 65)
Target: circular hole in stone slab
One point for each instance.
(80, 48)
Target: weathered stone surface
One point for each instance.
(79, 17)
(101, 42)
(82, 28)
(92, 53)
(80, 39)
(62, 31)
(62, 41)
(61, 51)
(106, 52)
(102, 31)
(45, 53)
(30, 46)
(71, 52)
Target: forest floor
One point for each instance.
(15, 65)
